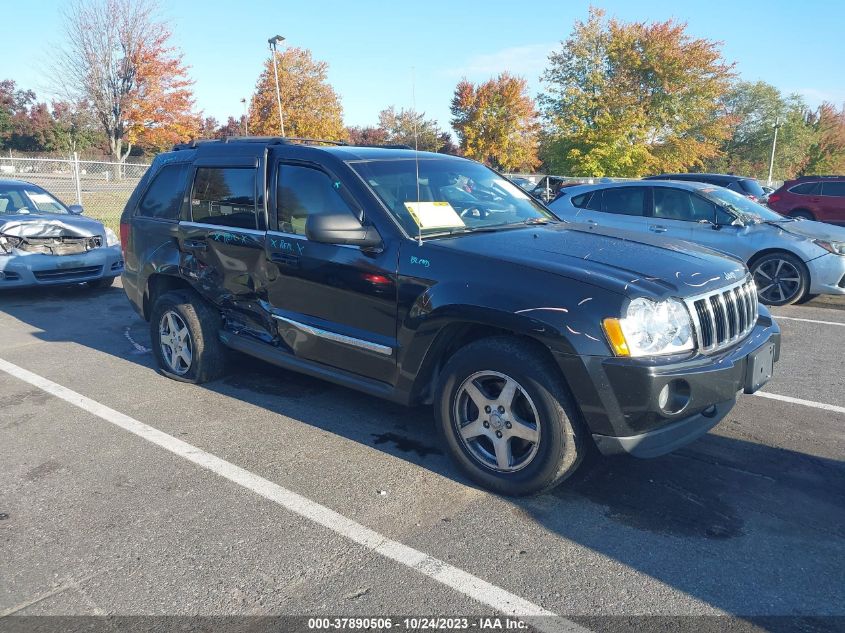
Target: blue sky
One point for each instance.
(371, 46)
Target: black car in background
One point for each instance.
(743, 185)
(429, 279)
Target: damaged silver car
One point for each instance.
(44, 242)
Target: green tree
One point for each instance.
(752, 108)
(626, 99)
(496, 122)
(402, 126)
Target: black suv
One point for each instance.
(743, 185)
(425, 278)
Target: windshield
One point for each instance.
(748, 210)
(16, 200)
(451, 195)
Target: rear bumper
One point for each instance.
(620, 398)
(20, 270)
(827, 275)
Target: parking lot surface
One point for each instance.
(749, 521)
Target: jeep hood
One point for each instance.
(630, 263)
(49, 225)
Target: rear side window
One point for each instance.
(806, 188)
(595, 202)
(163, 199)
(833, 189)
(305, 191)
(624, 200)
(225, 196)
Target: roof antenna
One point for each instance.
(416, 151)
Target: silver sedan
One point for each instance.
(791, 260)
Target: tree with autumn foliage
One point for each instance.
(117, 58)
(496, 123)
(310, 105)
(628, 99)
(826, 154)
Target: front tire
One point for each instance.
(507, 418)
(781, 278)
(184, 333)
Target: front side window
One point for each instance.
(624, 200)
(163, 200)
(450, 195)
(304, 191)
(672, 204)
(833, 189)
(225, 196)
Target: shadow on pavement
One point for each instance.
(745, 527)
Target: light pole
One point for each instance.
(774, 144)
(274, 42)
(246, 117)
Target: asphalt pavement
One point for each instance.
(297, 497)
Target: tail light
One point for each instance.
(752, 198)
(774, 197)
(124, 238)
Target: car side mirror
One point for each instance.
(340, 228)
(75, 209)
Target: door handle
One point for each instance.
(656, 228)
(195, 245)
(284, 259)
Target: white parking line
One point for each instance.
(806, 403)
(786, 318)
(461, 581)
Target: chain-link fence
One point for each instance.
(101, 188)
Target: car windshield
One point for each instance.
(447, 195)
(748, 210)
(15, 200)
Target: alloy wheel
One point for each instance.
(497, 421)
(176, 344)
(777, 280)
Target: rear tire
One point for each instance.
(184, 332)
(507, 418)
(782, 279)
(802, 213)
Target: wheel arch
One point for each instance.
(157, 284)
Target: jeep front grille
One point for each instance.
(723, 317)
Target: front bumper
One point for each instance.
(620, 398)
(21, 269)
(827, 275)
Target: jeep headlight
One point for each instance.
(111, 238)
(837, 248)
(651, 327)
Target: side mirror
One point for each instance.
(340, 228)
(75, 209)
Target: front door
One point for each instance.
(333, 304)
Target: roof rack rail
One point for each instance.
(268, 140)
(819, 176)
(279, 140)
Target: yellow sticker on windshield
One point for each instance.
(434, 215)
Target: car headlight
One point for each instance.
(651, 327)
(837, 248)
(111, 238)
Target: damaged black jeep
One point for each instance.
(430, 279)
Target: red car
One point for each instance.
(819, 198)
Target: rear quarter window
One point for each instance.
(752, 188)
(163, 199)
(581, 200)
